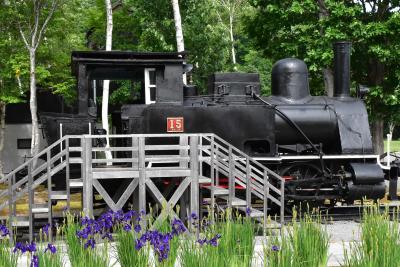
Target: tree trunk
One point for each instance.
(377, 136)
(106, 83)
(180, 44)
(232, 41)
(33, 103)
(328, 81)
(2, 129)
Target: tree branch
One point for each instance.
(36, 14)
(44, 26)
(23, 36)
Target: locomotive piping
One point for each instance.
(294, 125)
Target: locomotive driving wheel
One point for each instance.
(302, 183)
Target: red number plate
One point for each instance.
(175, 125)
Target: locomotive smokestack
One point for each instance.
(342, 68)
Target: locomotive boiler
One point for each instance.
(320, 145)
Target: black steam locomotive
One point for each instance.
(320, 145)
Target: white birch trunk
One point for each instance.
(33, 103)
(180, 44)
(2, 130)
(232, 40)
(106, 83)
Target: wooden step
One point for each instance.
(75, 160)
(58, 195)
(273, 225)
(204, 180)
(76, 183)
(217, 190)
(235, 201)
(254, 213)
(40, 208)
(20, 221)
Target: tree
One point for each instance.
(307, 29)
(106, 83)
(32, 19)
(228, 12)
(180, 44)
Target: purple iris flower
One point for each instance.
(275, 248)
(51, 248)
(214, 241)
(127, 227)
(108, 236)
(21, 247)
(159, 241)
(202, 241)
(194, 216)
(137, 228)
(90, 243)
(31, 247)
(139, 244)
(248, 211)
(45, 229)
(4, 230)
(177, 227)
(34, 261)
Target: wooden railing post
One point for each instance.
(212, 170)
(10, 207)
(142, 174)
(194, 173)
(231, 178)
(49, 191)
(282, 211)
(67, 173)
(30, 200)
(87, 176)
(266, 197)
(248, 186)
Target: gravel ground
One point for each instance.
(341, 235)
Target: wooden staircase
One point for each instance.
(198, 160)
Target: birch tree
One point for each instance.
(106, 83)
(228, 13)
(180, 45)
(33, 19)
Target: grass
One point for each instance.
(379, 245)
(227, 242)
(126, 254)
(303, 243)
(394, 146)
(78, 255)
(7, 258)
